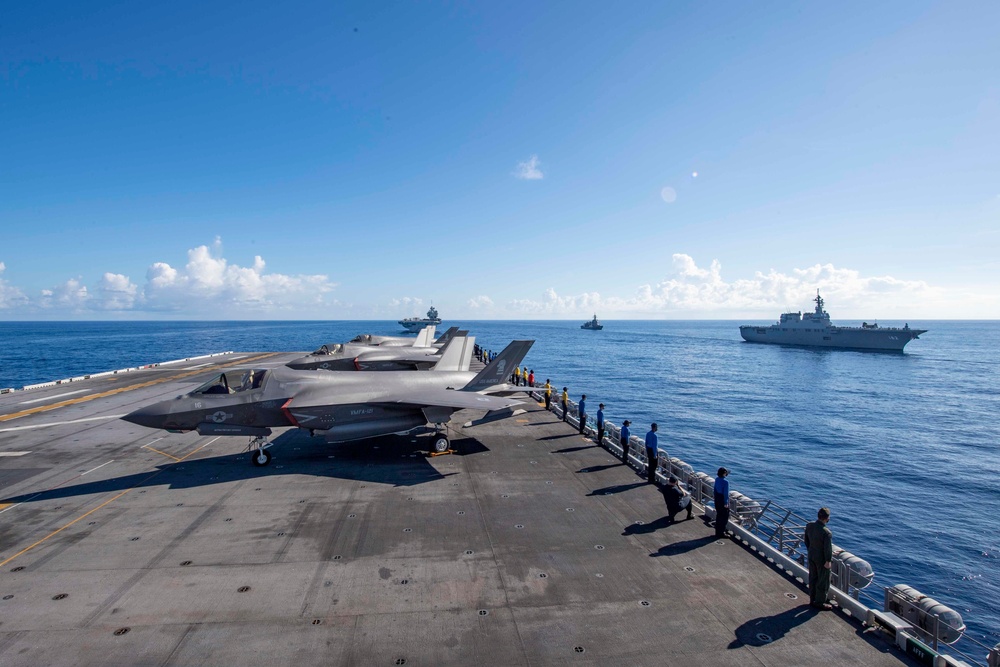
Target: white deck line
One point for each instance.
(49, 398)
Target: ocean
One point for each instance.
(903, 448)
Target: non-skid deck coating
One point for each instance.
(123, 545)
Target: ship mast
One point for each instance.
(819, 303)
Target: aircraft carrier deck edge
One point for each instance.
(530, 545)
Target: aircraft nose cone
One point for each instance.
(151, 416)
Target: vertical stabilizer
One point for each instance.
(425, 337)
(447, 335)
(499, 369)
(456, 353)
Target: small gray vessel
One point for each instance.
(814, 329)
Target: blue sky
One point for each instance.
(501, 160)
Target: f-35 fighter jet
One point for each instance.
(341, 406)
(407, 341)
(455, 355)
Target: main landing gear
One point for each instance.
(259, 455)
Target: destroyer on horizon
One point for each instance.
(814, 329)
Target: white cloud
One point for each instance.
(207, 286)
(668, 194)
(480, 302)
(406, 302)
(692, 291)
(10, 296)
(553, 304)
(116, 292)
(211, 285)
(528, 170)
(71, 296)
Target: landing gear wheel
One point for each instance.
(260, 458)
(440, 445)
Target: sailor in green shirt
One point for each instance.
(819, 541)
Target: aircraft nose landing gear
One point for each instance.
(259, 455)
(440, 444)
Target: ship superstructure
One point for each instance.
(815, 329)
(418, 323)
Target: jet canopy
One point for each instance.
(233, 382)
(331, 349)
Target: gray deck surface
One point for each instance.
(524, 547)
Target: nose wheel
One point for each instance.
(440, 444)
(259, 455)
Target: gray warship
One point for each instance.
(814, 329)
(417, 323)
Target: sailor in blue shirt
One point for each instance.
(652, 454)
(721, 502)
(625, 435)
(600, 424)
(582, 409)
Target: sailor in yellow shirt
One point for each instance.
(548, 395)
(517, 376)
(565, 402)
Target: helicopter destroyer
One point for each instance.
(814, 329)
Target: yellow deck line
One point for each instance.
(5, 505)
(153, 449)
(59, 530)
(112, 392)
(106, 502)
(171, 456)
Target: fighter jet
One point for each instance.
(406, 341)
(341, 406)
(455, 355)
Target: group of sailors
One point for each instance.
(676, 497)
(484, 355)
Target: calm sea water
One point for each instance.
(904, 448)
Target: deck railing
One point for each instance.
(777, 533)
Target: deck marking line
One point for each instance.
(13, 453)
(74, 421)
(112, 392)
(49, 398)
(200, 448)
(93, 469)
(59, 530)
(5, 506)
(143, 481)
(153, 449)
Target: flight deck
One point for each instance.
(528, 545)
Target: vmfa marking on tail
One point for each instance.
(340, 406)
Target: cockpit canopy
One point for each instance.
(362, 338)
(333, 348)
(234, 382)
